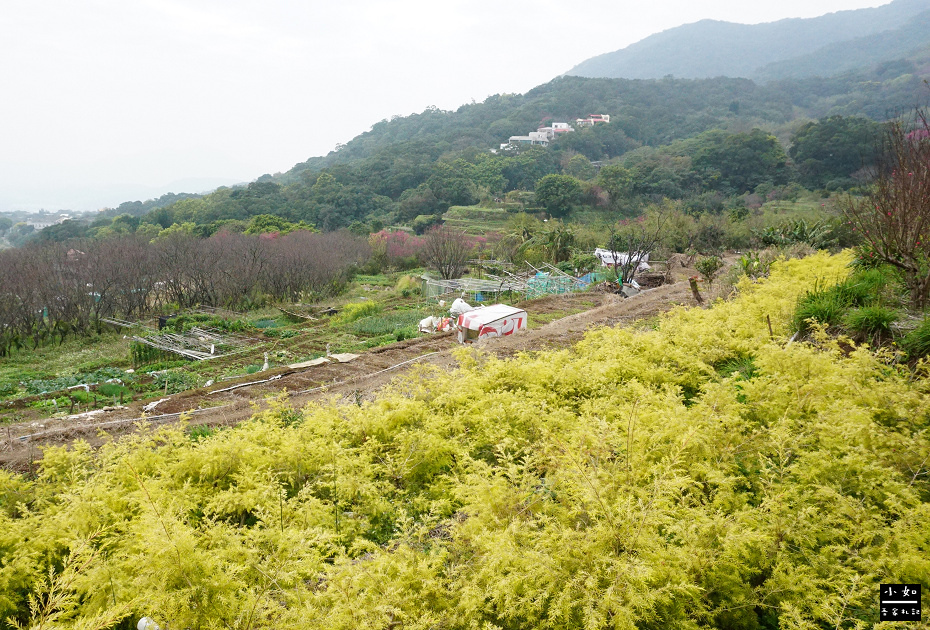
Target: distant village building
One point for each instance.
(534, 137)
(541, 137)
(555, 129)
(46, 221)
(544, 135)
(592, 120)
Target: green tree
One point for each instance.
(267, 223)
(617, 181)
(523, 170)
(739, 162)
(579, 167)
(125, 224)
(486, 171)
(425, 222)
(190, 210)
(418, 201)
(63, 231)
(148, 231)
(708, 267)
(326, 189)
(451, 187)
(177, 230)
(833, 148)
(21, 232)
(558, 240)
(583, 141)
(658, 174)
(558, 194)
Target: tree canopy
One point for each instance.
(558, 194)
(830, 150)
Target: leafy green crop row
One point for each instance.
(388, 322)
(695, 475)
(38, 386)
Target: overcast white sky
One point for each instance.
(104, 101)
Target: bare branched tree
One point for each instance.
(50, 290)
(893, 219)
(636, 239)
(446, 250)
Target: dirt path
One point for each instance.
(359, 379)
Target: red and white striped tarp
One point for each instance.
(497, 320)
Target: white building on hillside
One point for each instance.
(534, 137)
(592, 120)
(541, 137)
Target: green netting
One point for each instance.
(546, 284)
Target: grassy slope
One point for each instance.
(476, 219)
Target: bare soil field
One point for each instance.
(359, 379)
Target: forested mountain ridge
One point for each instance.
(418, 166)
(650, 112)
(893, 48)
(711, 48)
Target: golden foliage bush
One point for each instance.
(628, 482)
(357, 310)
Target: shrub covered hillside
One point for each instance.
(694, 475)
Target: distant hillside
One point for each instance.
(712, 48)
(672, 134)
(905, 43)
(645, 112)
(139, 208)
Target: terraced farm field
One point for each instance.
(476, 220)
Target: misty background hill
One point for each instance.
(790, 48)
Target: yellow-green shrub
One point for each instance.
(408, 285)
(357, 310)
(632, 481)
